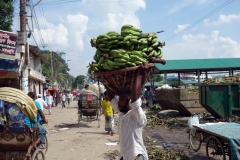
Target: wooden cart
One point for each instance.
(222, 140)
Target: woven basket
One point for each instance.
(121, 81)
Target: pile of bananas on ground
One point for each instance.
(128, 49)
(229, 79)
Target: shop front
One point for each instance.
(36, 82)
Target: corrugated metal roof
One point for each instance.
(37, 52)
(217, 64)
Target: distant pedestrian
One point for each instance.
(43, 104)
(63, 99)
(69, 97)
(109, 114)
(56, 99)
(49, 101)
(149, 97)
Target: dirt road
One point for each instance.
(68, 142)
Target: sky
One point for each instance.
(193, 29)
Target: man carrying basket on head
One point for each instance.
(131, 120)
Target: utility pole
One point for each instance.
(52, 67)
(22, 43)
(22, 33)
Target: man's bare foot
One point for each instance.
(108, 132)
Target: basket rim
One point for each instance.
(119, 70)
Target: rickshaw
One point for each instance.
(88, 106)
(17, 140)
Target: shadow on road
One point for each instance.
(69, 125)
(103, 133)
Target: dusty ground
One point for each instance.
(84, 143)
(68, 142)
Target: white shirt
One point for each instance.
(63, 97)
(130, 127)
(42, 103)
(49, 99)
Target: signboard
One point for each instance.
(6, 74)
(7, 44)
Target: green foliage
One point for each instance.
(6, 14)
(157, 77)
(79, 81)
(46, 68)
(60, 69)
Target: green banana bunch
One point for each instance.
(126, 26)
(93, 42)
(128, 49)
(106, 66)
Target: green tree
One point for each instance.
(60, 69)
(79, 81)
(6, 14)
(46, 68)
(158, 78)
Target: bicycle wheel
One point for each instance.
(38, 154)
(46, 145)
(214, 149)
(195, 139)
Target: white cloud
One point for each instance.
(111, 16)
(55, 35)
(77, 25)
(202, 46)
(222, 19)
(115, 21)
(180, 28)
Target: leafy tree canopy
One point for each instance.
(60, 69)
(6, 14)
(79, 81)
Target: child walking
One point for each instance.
(109, 115)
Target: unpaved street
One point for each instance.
(84, 143)
(68, 142)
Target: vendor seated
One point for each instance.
(88, 91)
(85, 92)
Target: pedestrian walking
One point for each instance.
(63, 98)
(109, 114)
(43, 104)
(69, 97)
(49, 101)
(56, 99)
(149, 97)
(132, 119)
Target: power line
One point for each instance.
(67, 1)
(200, 20)
(38, 27)
(32, 36)
(44, 24)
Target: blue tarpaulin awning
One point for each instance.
(9, 64)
